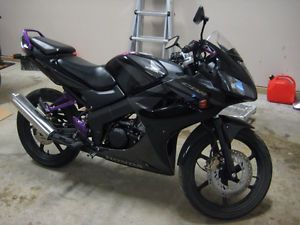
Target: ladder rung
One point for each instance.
(150, 39)
(151, 13)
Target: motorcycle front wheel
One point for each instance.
(205, 184)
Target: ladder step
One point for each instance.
(150, 39)
(141, 13)
(152, 13)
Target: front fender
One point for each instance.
(202, 133)
(232, 126)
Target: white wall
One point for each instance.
(266, 32)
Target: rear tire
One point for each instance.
(258, 190)
(28, 141)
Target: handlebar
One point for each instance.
(193, 45)
(193, 55)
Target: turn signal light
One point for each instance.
(203, 104)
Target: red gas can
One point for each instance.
(282, 89)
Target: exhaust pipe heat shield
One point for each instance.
(32, 115)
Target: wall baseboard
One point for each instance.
(9, 58)
(263, 90)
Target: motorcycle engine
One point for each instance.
(124, 133)
(118, 138)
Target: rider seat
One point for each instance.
(51, 47)
(97, 77)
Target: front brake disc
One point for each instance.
(215, 173)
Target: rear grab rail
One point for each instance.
(26, 38)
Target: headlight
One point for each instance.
(234, 85)
(238, 87)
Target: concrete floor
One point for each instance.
(100, 192)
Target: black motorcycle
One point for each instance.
(131, 111)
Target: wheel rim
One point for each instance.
(48, 148)
(205, 181)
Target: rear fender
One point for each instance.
(202, 133)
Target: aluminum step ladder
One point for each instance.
(138, 24)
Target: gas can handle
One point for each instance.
(289, 78)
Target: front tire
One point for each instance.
(27, 134)
(203, 194)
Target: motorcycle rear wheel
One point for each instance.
(43, 151)
(204, 195)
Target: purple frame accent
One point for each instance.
(26, 36)
(61, 106)
(80, 126)
(63, 102)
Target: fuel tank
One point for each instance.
(135, 72)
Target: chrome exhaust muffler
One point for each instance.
(32, 115)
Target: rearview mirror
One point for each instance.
(200, 16)
(172, 42)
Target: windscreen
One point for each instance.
(230, 62)
(220, 41)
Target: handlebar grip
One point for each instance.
(190, 47)
(186, 49)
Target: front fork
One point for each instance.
(218, 134)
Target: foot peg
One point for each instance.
(69, 142)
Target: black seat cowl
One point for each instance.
(96, 77)
(51, 47)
